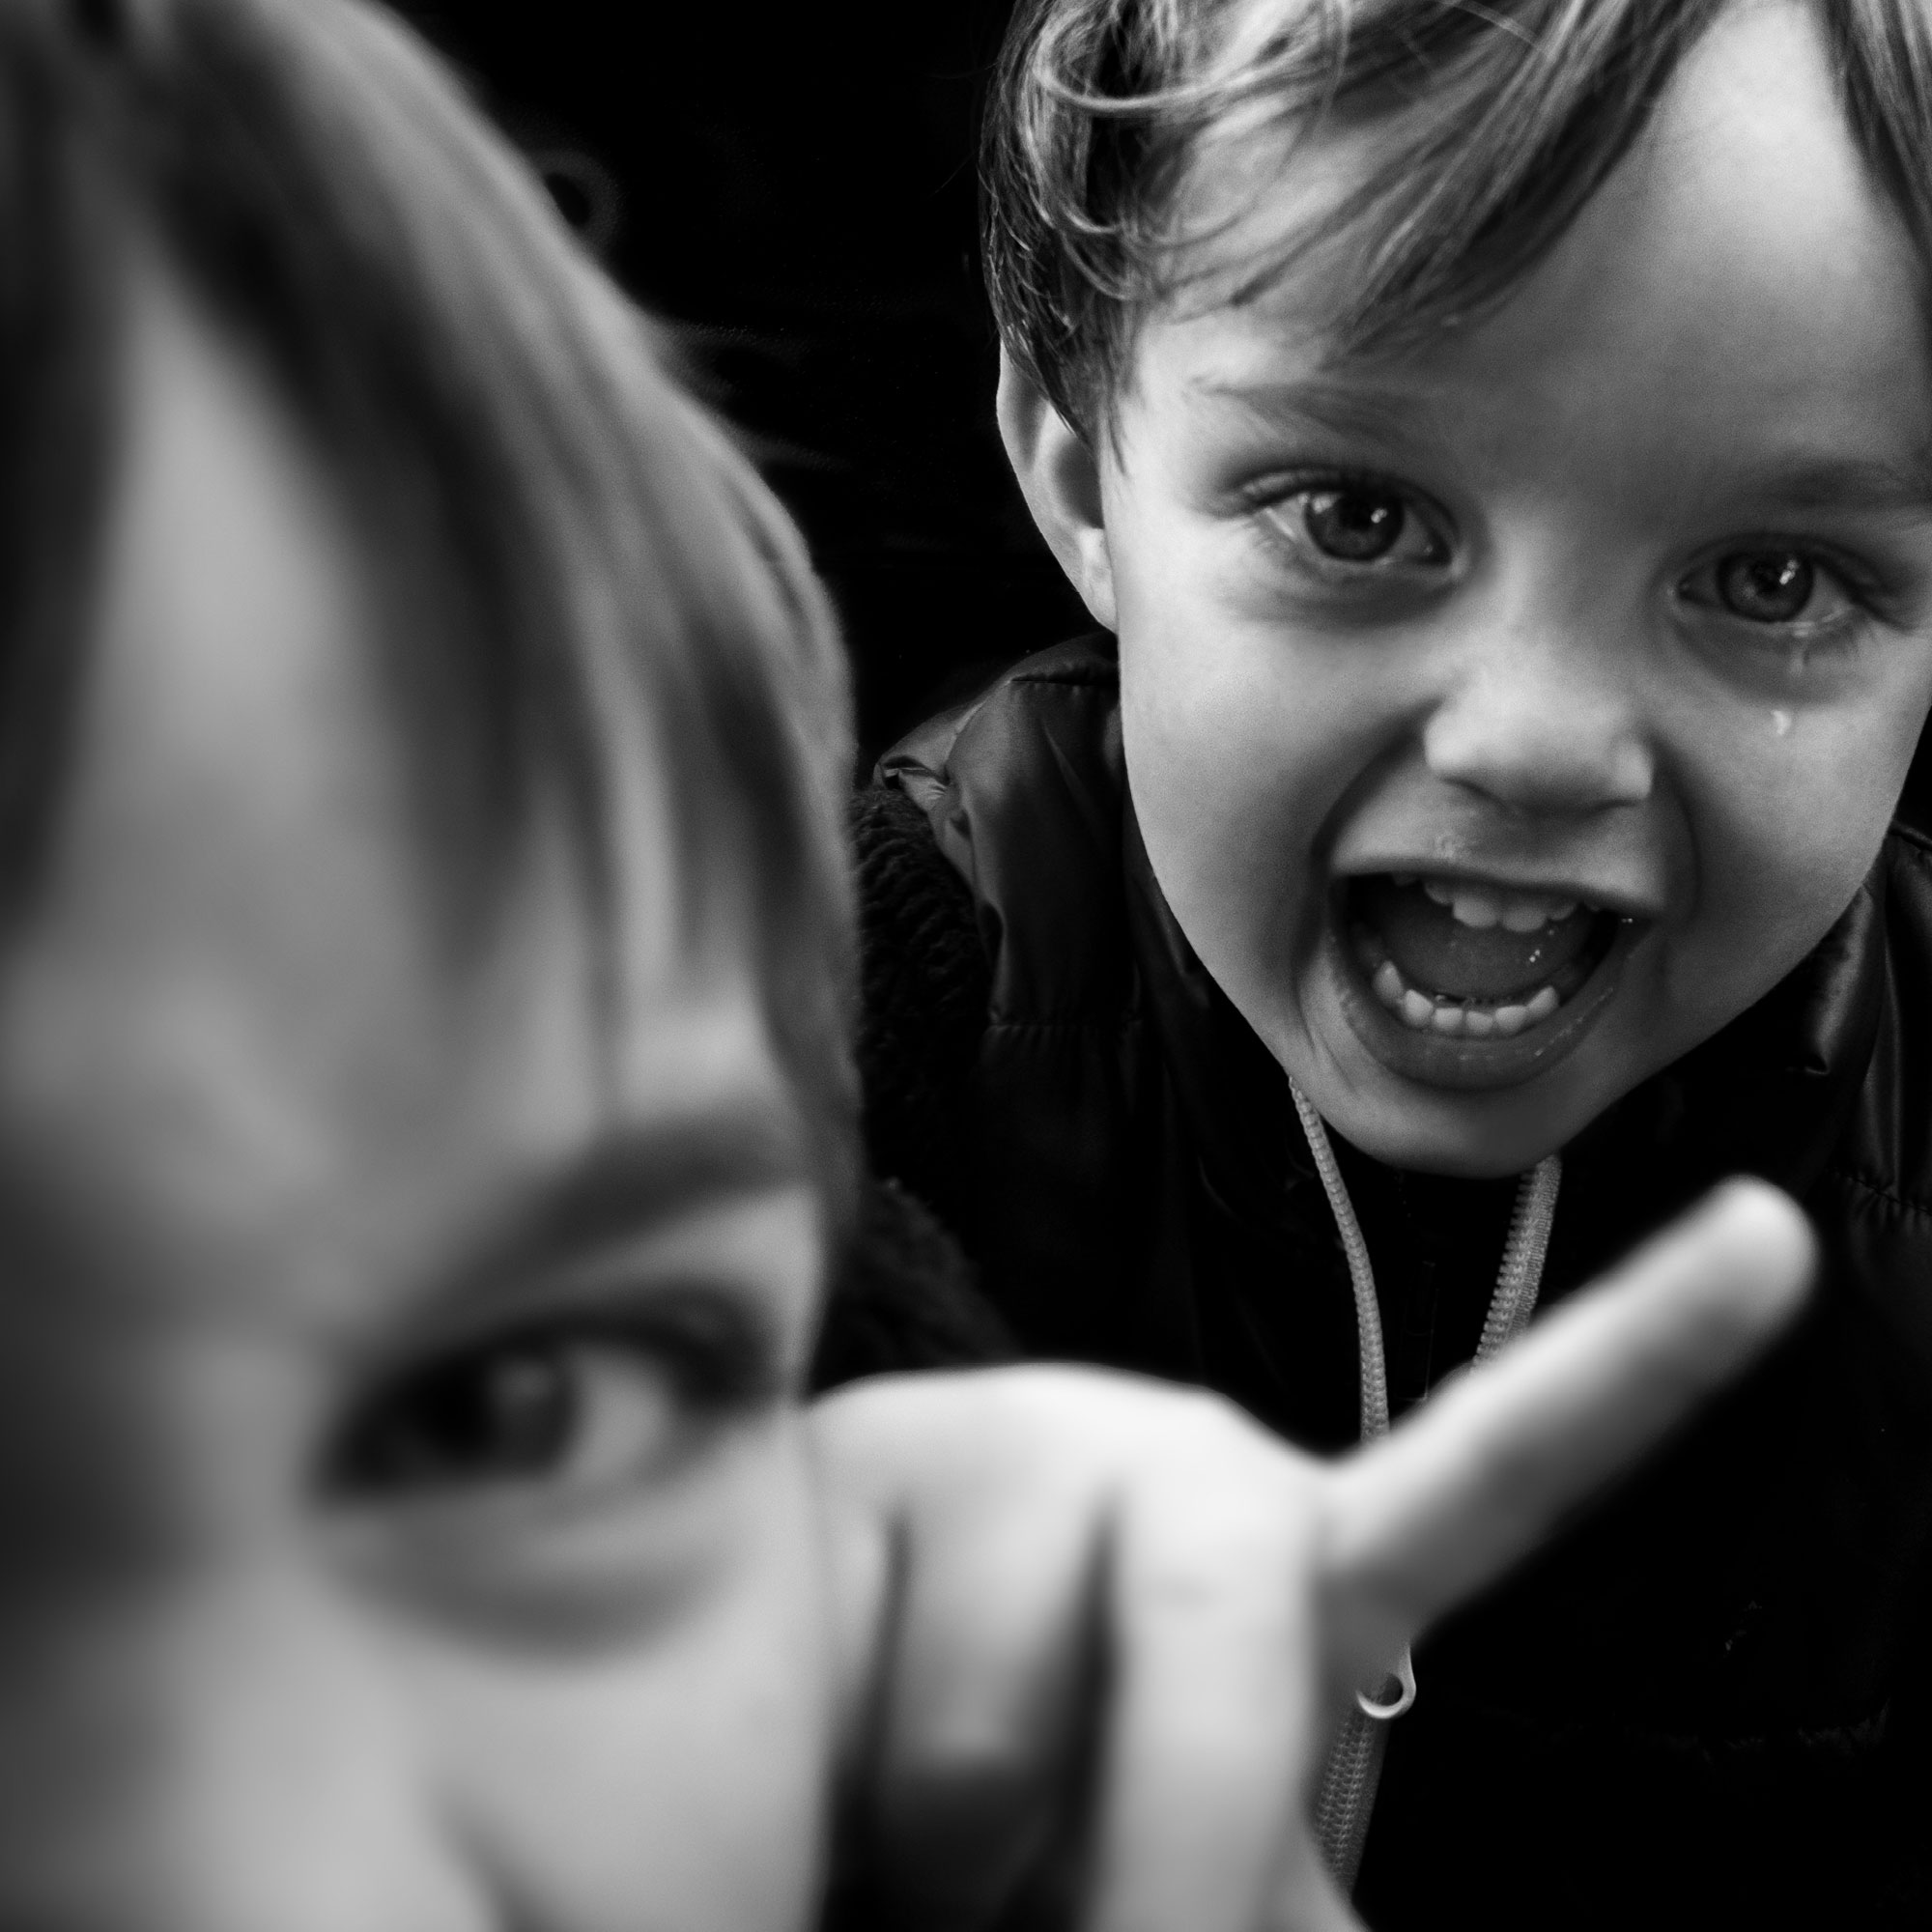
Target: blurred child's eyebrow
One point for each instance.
(637, 1176)
(633, 1183)
(633, 1180)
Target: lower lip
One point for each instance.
(1434, 1060)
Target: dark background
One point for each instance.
(795, 185)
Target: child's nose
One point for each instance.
(1541, 726)
(225, 1763)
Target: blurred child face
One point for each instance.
(1504, 718)
(401, 1515)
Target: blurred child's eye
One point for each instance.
(554, 1407)
(553, 1460)
(1769, 587)
(1361, 524)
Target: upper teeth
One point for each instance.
(1493, 906)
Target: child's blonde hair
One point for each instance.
(578, 561)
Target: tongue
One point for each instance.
(1434, 952)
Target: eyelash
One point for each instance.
(1269, 500)
(1860, 594)
(422, 1428)
(1277, 502)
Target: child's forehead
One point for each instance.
(235, 794)
(249, 725)
(1744, 238)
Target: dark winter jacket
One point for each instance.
(901, 1297)
(1705, 1705)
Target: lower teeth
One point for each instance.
(1456, 1020)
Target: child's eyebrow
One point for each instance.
(1314, 402)
(639, 1175)
(638, 1185)
(1865, 485)
(634, 1183)
(632, 1179)
(1798, 481)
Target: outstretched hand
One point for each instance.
(1050, 1579)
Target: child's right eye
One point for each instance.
(1366, 525)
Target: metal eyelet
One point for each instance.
(1393, 1695)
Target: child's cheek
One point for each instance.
(680, 1781)
(1246, 735)
(1221, 777)
(1788, 805)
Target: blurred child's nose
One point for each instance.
(1539, 716)
(220, 1759)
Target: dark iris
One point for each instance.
(1766, 588)
(1355, 525)
(492, 1415)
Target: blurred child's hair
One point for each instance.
(1494, 123)
(578, 570)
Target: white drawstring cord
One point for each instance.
(1347, 1792)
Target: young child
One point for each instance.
(1496, 441)
(425, 1125)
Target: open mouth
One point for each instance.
(1472, 983)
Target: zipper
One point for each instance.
(1345, 1798)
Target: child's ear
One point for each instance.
(1060, 479)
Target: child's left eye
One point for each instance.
(552, 1407)
(1769, 587)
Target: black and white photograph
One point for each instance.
(965, 966)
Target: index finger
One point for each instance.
(1461, 1490)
